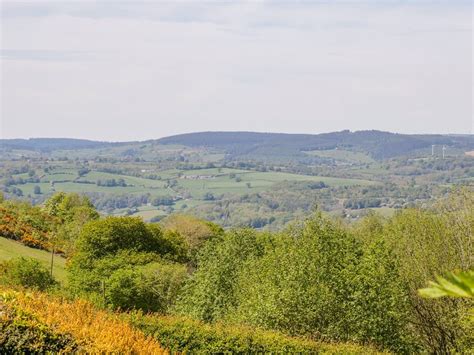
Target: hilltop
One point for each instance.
(274, 146)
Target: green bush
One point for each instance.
(180, 334)
(427, 243)
(26, 272)
(127, 264)
(112, 234)
(165, 282)
(153, 287)
(315, 279)
(210, 292)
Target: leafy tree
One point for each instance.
(427, 243)
(72, 211)
(121, 261)
(211, 290)
(113, 234)
(314, 279)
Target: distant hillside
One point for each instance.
(267, 146)
(50, 144)
(378, 144)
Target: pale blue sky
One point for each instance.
(129, 71)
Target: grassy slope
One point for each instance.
(218, 182)
(10, 249)
(343, 155)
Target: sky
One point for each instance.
(122, 71)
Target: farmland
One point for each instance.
(185, 189)
(344, 156)
(10, 249)
(240, 179)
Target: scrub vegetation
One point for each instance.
(183, 284)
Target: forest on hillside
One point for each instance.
(320, 284)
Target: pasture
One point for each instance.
(10, 249)
(342, 155)
(189, 188)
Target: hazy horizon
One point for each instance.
(137, 71)
(178, 134)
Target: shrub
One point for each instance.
(195, 232)
(26, 272)
(21, 333)
(427, 243)
(153, 287)
(315, 279)
(95, 331)
(180, 334)
(210, 291)
(113, 234)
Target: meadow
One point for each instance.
(342, 155)
(10, 249)
(187, 188)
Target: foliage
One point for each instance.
(319, 275)
(154, 289)
(64, 206)
(26, 272)
(427, 243)
(54, 226)
(318, 278)
(194, 231)
(113, 234)
(314, 279)
(180, 334)
(20, 332)
(72, 211)
(122, 261)
(211, 290)
(452, 285)
(25, 223)
(93, 330)
(172, 244)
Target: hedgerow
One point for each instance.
(180, 334)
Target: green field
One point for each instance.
(196, 182)
(10, 249)
(219, 182)
(343, 155)
(189, 189)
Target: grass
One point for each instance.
(145, 212)
(60, 176)
(129, 180)
(10, 249)
(343, 155)
(221, 183)
(384, 211)
(196, 183)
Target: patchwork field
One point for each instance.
(343, 155)
(194, 182)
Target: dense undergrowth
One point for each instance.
(318, 286)
(181, 334)
(34, 321)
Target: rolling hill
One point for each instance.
(379, 145)
(253, 145)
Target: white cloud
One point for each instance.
(126, 72)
